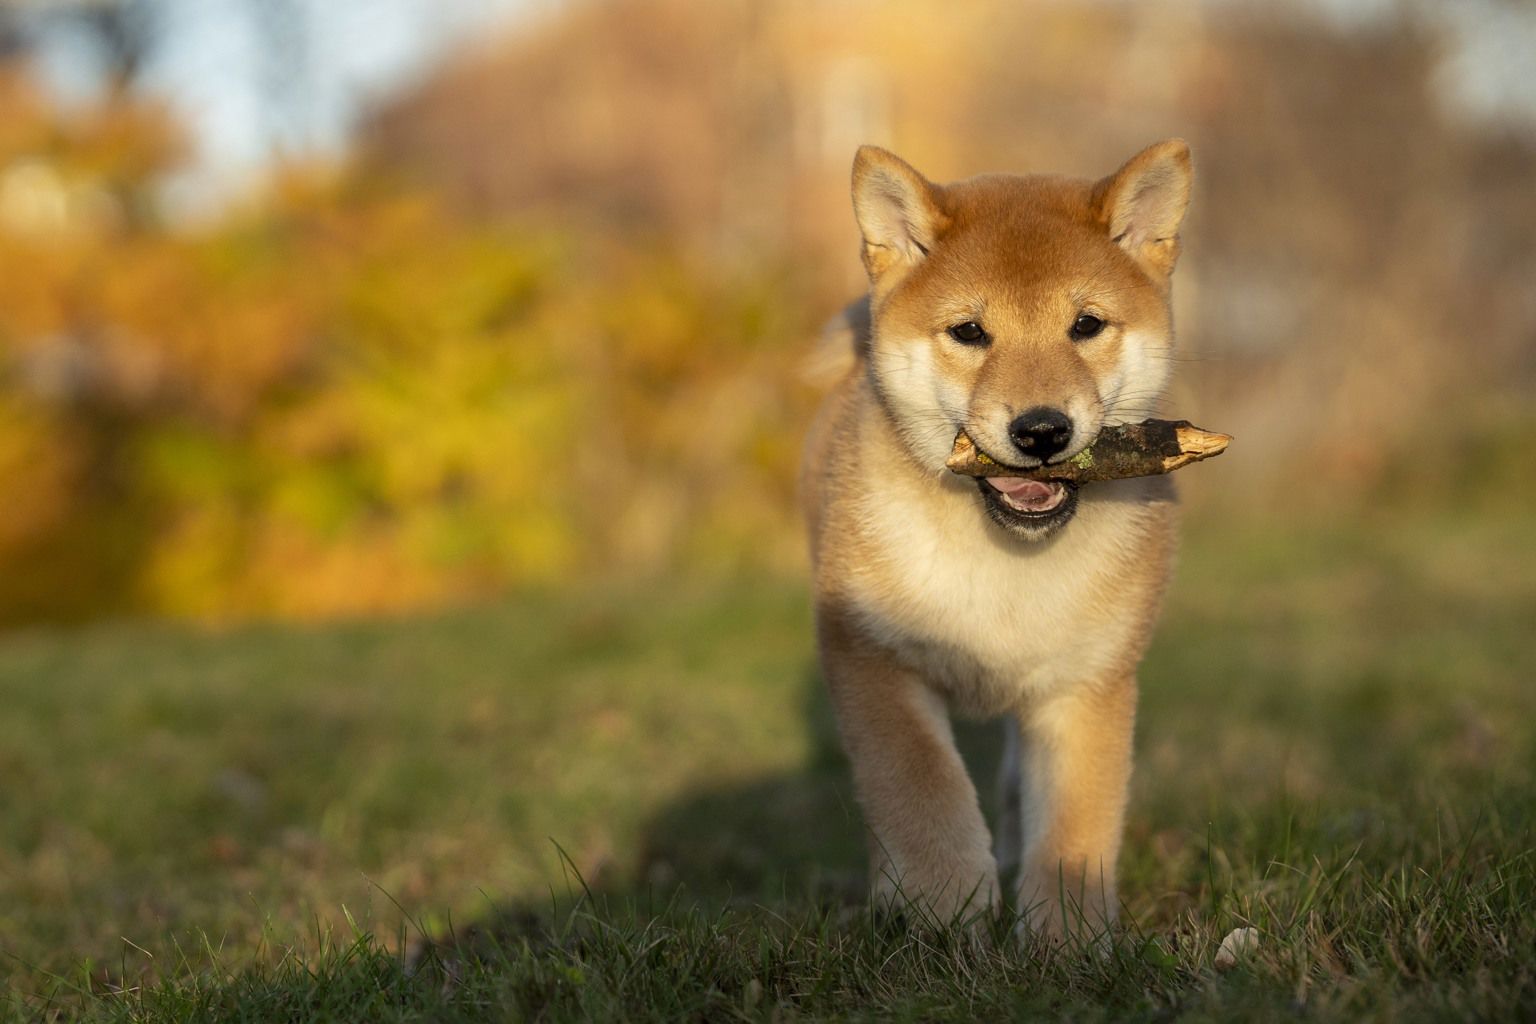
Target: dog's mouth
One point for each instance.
(1031, 497)
(1029, 506)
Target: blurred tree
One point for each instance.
(347, 397)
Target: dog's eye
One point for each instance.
(969, 333)
(1086, 326)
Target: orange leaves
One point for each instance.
(346, 398)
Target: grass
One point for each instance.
(629, 802)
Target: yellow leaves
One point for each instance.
(37, 466)
(119, 143)
(347, 398)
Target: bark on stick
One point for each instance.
(1132, 449)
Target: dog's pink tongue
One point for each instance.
(1027, 494)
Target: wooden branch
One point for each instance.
(1133, 449)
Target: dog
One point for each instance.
(1030, 311)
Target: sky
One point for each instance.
(257, 79)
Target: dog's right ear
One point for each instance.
(897, 209)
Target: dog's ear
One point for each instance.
(1143, 203)
(898, 211)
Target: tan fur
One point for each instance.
(924, 604)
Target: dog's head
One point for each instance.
(1029, 310)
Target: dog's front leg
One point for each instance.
(1076, 767)
(928, 839)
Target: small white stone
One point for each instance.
(1239, 944)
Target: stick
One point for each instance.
(1133, 449)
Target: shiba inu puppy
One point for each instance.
(1030, 311)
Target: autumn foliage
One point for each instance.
(349, 398)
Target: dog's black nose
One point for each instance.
(1041, 432)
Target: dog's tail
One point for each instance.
(843, 345)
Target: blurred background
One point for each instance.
(447, 357)
(314, 309)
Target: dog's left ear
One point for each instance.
(1143, 203)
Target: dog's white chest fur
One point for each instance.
(990, 619)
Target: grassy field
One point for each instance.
(630, 802)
